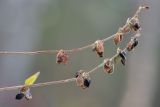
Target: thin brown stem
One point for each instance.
(94, 69)
(47, 83)
(60, 81)
(75, 49)
(53, 82)
(139, 10)
(108, 38)
(38, 84)
(79, 49)
(30, 53)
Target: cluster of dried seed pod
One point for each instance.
(132, 25)
(62, 57)
(99, 47)
(82, 79)
(121, 54)
(109, 63)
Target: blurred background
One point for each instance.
(30, 25)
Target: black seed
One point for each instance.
(122, 55)
(136, 26)
(135, 42)
(19, 96)
(147, 7)
(100, 54)
(123, 62)
(87, 82)
(59, 60)
(77, 74)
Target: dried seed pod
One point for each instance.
(79, 78)
(145, 7)
(87, 80)
(24, 92)
(132, 44)
(82, 79)
(87, 83)
(24, 89)
(118, 38)
(62, 57)
(28, 95)
(99, 47)
(122, 54)
(134, 24)
(108, 66)
(125, 29)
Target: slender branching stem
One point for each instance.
(71, 50)
(75, 49)
(30, 53)
(38, 84)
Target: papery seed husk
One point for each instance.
(62, 57)
(99, 48)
